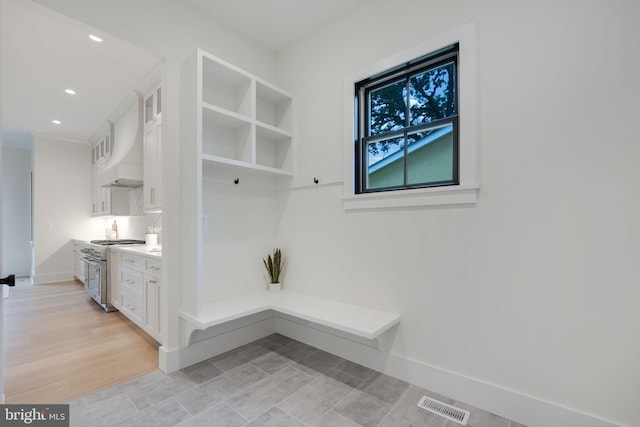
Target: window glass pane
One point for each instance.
(385, 163)
(387, 108)
(430, 156)
(433, 94)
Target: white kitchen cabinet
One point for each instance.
(101, 204)
(152, 287)
(153, 105)
(152, 151)
(101, 150)
(152, 164)
(137, 291)
(78, 264)
(111, 201)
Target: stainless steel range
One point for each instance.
(96, 263)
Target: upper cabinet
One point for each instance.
(152, 150)
(153, 105)
(101, 151)
(240, 120)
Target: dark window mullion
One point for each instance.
(407, 124)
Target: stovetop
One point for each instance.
(118, 242)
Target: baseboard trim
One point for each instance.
(41, 279)
(524, 409)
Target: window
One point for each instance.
(407, 133)
(410, 136)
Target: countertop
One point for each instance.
(141, 250)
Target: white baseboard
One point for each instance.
(527, 410)
(524, 409)
(40, 279)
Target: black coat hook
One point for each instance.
(315, 180)
(236, 181)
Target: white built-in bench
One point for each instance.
(365, 324)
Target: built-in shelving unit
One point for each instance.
(244, 121)
(235, 129)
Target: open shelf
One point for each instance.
(226, 136)
(273, 106)
(273, 148)
(226, 86)
(245, 121)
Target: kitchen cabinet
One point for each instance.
(152, 152)
(102, 150)
(101, 204)
(153, 105)
(110, 201)
(78, 265)
(152, 287)
(138, 290)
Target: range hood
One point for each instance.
(124, 167)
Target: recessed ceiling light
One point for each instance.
(70, 91)
(56, 122)
(95, 38)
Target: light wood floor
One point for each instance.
(60, 345)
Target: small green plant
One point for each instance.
(274, 265)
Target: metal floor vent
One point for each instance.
(440, 408)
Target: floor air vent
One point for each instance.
(449, 412)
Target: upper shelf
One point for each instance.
(244, 121)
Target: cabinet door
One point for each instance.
(152, 159)
(152, 301)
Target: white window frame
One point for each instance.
(466, 191)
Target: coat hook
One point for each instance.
(236, 181)
(315, 180)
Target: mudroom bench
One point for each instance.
(361, 324)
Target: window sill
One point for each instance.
(440, 196)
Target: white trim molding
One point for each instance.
(465, 192)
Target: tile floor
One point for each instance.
(275, 381)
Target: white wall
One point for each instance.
(534, 288)
(61, 205)
(16, 210)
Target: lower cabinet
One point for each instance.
(78, 264)
(137, 292)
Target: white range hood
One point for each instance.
(124, 167)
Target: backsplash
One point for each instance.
(129, 227)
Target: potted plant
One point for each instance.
(274, 265)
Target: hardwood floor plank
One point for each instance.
(59, 345)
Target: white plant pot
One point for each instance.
(151, 239)
(275, 287)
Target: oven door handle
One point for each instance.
(90, 260)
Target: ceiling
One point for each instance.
(44, 53)
(274, 24)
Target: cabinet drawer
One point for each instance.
(154, 267)
(132, 304)
(131, 279)
(132, 261)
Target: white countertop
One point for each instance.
(141, 250)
